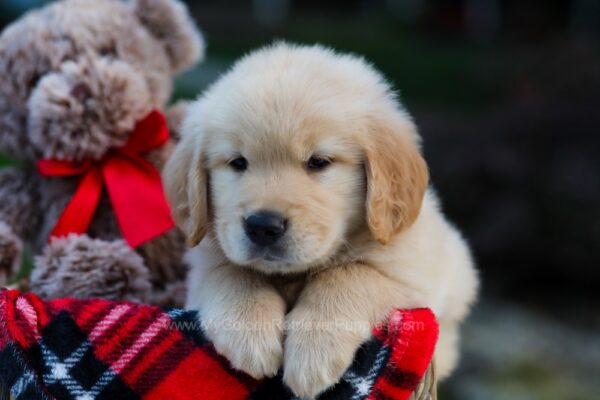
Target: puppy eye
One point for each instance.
(316, 163)
(239, 164)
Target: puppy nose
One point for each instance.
(265, 227)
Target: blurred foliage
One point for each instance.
(451, 74)
(6, 161)
(22, 276)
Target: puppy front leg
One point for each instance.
(334, 314)
(242, 315)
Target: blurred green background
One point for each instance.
(507, 97)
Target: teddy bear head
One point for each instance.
(78, 74)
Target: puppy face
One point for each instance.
(292, 152)
(284, 199)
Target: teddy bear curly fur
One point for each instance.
(76, 77)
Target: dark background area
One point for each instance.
(507, 97)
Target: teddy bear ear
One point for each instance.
(171, 23)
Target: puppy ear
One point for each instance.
(170, 22)
(397, 178)
(186, 187)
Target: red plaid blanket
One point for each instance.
(102, 350)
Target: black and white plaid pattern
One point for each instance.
(70, 368)
(356, 384)
(19, 381)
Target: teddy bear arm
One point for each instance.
(19, 217)
(19, 206)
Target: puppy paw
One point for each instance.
(258, 353)
(10, 253)
(316, 355)
(250, 337)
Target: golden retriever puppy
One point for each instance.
(300, 173)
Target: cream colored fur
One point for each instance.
(365, 234)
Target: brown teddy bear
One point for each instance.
(82, 81)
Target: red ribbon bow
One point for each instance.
(133, 185)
